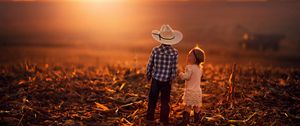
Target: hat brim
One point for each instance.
(177, 37)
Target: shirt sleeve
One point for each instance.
(150, 65)
(187, 74)
(174, 67)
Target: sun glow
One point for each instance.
(98, 1)
(100, 19)
(23, 0)
(82, 1)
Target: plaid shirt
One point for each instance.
(162, 64)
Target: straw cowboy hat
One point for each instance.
(167, 35)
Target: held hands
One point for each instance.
(181, 75)
(181, 78)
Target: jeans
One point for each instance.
(159, 87)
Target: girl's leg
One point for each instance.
(186, 115)
(196, 109)
(188, 108)
(197, 114)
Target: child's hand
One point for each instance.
(180, 81)
(181, 75)
(148, 78)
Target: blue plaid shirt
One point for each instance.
(162, 64)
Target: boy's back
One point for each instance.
(161, 70)
(162, 64)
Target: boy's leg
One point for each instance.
(152, 99)
(165, 99)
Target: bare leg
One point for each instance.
(188, 108)
(196, 109)
(197, 113)
(186, 115)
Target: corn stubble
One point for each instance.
(117, 95)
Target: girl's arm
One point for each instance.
(187, 74)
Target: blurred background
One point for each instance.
(98, 32)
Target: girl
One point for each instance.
(192, 97)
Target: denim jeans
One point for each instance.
(159, 87)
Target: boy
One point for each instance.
(161, 70)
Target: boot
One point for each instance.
(186, 118)
(197, 117)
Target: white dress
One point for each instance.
(192, 92)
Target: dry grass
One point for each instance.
(117, 95)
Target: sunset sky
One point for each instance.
(102, 20)
(216, 25)
(150, 0)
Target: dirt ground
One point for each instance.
(117, 95)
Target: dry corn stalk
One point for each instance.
(231, 81)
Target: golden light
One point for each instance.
(196, 46)
(100, 1)
(23, 0)
(245, 36)
(83, 1)
(106, 14)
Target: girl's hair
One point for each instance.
(199, 55)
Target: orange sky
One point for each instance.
(133, 22)
(142, 0)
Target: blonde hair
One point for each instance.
(199, 55)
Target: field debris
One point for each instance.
(117, 95)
